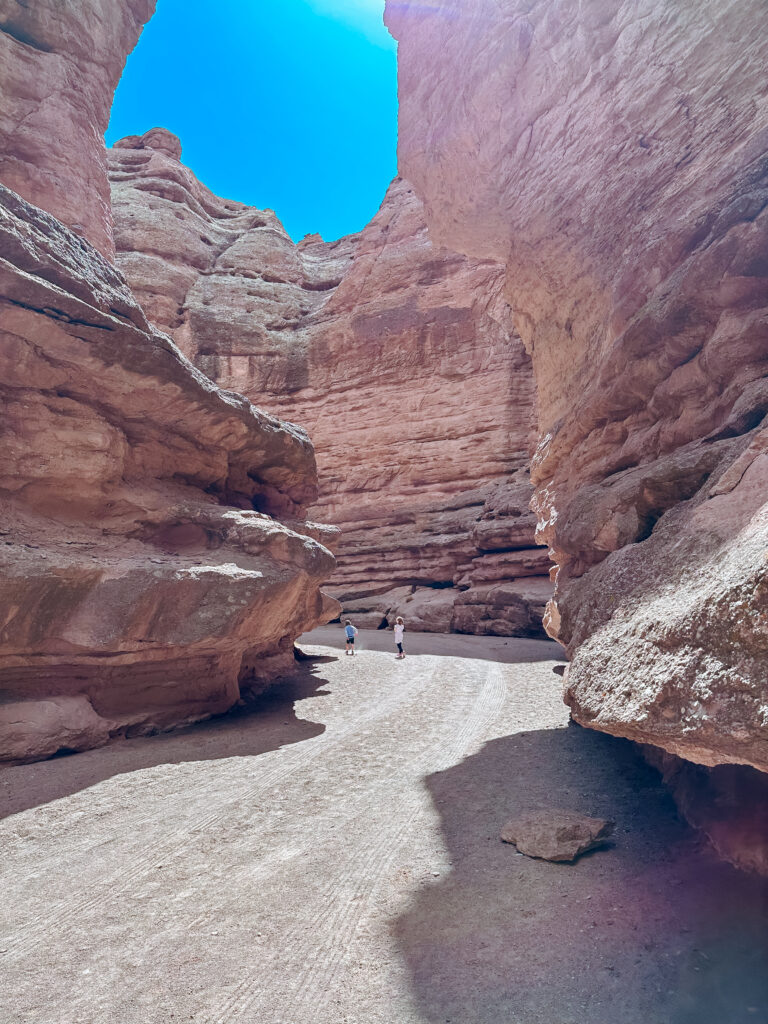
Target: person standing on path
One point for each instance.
(351, 633)
(399, 630)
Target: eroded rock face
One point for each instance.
(399, 358)
(728, 803)
(154, 552)
(613, 155)
(59, 66)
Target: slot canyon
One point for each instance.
(525, 408)
(383, 347)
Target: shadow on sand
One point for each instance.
(265, 723)
(650, 931)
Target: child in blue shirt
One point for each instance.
(351, 633)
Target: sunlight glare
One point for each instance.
(366, 16)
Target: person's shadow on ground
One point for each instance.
(261, 724)
(652, 930)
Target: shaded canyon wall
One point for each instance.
(614, 156)
(155, 558)
(399, 358)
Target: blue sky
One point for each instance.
(286, 104)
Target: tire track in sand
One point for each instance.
(67, 916)
(321, 942)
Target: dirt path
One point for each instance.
(335, 858)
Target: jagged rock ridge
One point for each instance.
(398, 357)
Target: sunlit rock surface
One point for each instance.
(59, 65)
(398, 357)
(153, 552)
(614, 155)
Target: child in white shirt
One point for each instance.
(399, 630)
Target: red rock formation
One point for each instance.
(155, 557)
(145, 571)
(398, 357)
(147, 574)
(613, 154)
(59, 66)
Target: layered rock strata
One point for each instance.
(622, 179)
(59, 66)
(154, 557)
(399, 358)
(614, 156)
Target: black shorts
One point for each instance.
(350, 639)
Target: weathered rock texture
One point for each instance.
(154, 556)
(556, 835)
(614, 155)
(729, 803)
(59, 66)
(398, 357)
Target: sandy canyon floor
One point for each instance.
(332, 855)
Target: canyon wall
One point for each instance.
(155, 558)
(59, 66)
(399, 357)
(614, 156)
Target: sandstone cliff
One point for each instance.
(399, 358)
(59, 66)
(614, 156)
(155, 559)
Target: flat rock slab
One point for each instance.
(556, 835)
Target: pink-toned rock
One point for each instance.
(59, 66)
(556, 835)
(153, 553)
(612, 155)
(398, 357)
(427, 609)
(511, 608)
(32, 729)
(729, 804)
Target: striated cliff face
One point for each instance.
(59, 66)
(155, 559)
(614, 155)
(399, 358)
(154, 556)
